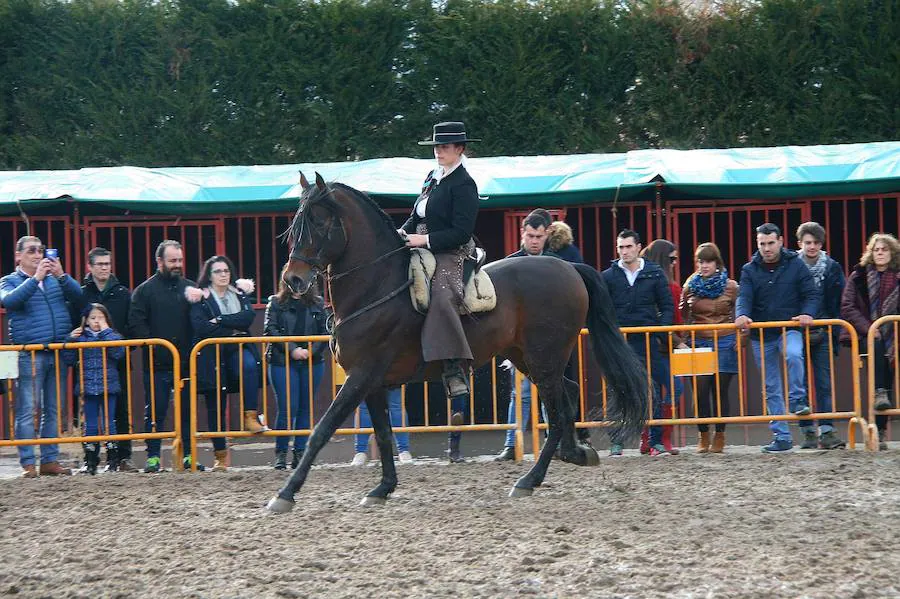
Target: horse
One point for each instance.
(542, 304)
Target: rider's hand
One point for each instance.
(506, 365)
(416, 241)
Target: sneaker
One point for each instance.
(152, 465)
(778, 446)
(810, 440)
(405, 457)
(882, 400)
(802, 410)
(187, 461)
(615, 450)
(359, 459)
(280, 462)
(125, 465)
(658, 451)
(830, 440)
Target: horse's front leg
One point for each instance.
(381, 422)
(552, 396)
(355, 388)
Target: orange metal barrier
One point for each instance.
(66, 432)
(337, 380)
(694, 364)
(872, 437)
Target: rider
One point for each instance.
(443, 220)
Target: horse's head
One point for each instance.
(317, 236)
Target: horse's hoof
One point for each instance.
(277, 505)
(372, 501)
(591, 457)
(521, 492)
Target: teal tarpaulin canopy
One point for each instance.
(809, 171)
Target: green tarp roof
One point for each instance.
(808, 171)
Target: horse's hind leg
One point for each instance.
(346, 401)
(573, 394)
(552, 396)
(377, 402)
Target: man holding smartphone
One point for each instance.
(35, 297)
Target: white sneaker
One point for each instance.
(405, 457)
(359, 459)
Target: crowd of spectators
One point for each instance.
(45, 305)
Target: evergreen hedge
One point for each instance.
(209, 82)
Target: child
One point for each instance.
(97, 380)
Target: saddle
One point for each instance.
(479, 294)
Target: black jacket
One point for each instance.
(450, 213)
(646, 303)
(160, 310)
(115, 296)
(228, 325)
(292, 318)
(771, 296)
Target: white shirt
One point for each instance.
(631, 276)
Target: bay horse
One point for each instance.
(542, 305)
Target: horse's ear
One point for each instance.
(304, 184)
(320, 182)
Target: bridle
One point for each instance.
(318, 266)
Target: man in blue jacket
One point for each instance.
(777, 286)
(641, 297)
(35, 298)
(829, 278)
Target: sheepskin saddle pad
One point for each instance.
(479, 290)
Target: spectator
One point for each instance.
(665, 254)
(708, 298)
(561, 242)
(872, 292)
(398, 418)
(829, 278)
(102, 287)
(775, 286)
(641, 297)
(291, 314)
(35, 297)
(159, 309)
(222, 307)
(99, 379)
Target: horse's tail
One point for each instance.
(626, 378)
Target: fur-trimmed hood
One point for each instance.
(559, 235)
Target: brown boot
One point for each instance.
(718, 442)
(703, 443)
(252, 423)
(54, 469)
(29, 471)
(221, 463)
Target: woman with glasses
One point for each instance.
(222, 307)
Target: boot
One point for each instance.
(252, 422)
(112, 457)
(221, 463)
(645, 441)
(703, 442)
(454, 453)
(667, 430)
(280, 462)
(295, 461)
(718, 442)
(882, 400)
(508, 454)
(91, 457)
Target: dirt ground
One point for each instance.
(817, 524)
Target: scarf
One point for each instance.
(818, 269)
(711, 287)
(883, 298)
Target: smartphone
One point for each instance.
(51, 253)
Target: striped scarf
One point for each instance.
(883, 299)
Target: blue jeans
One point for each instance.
(93, 413)
(163, 384)
(821, 367)
(774, 386)
(299, 401)
(39, 388)
(395, 408)
(526, 408)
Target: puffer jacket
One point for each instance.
(646, 303)
(38, 315)
(780, 295)
(92, 362)
(709, 310)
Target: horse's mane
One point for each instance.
(367, 199)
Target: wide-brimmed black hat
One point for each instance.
(452, 132)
